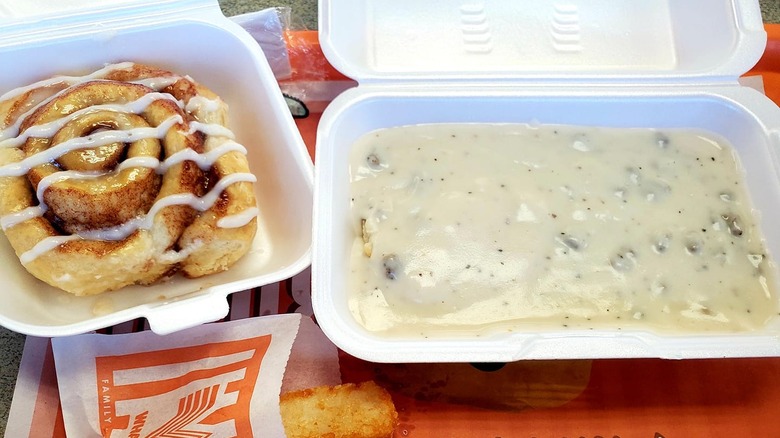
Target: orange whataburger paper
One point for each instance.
(36, 410)
(214, 380)
(204, 394)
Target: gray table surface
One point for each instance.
(304, 13)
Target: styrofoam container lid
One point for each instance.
(40, 38)
(408, 40)
(663, 65)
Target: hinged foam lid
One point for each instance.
(615, 40)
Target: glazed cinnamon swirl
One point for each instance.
(122, 176)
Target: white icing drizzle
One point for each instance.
(173, 256)
(94, 140)
(117, 232)
(13, 130)
(44, 246)
(150, 162)
(208, 200)
(47, 130)
(64, 175)
(212, 129)
(69, 80)
(157, 83)
(198, 103)
(146, 221)
(10, 137)
(240, 219)
(26, 214)
(200, 204)
(205, 160)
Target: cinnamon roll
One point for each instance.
(122, 176)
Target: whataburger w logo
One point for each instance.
(199, 391)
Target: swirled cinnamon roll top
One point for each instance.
(122, 176)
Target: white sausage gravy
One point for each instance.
(501, 225)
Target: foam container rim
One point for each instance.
(710, 99)
(83, 36)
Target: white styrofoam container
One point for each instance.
(614, 63)
(39, 38)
